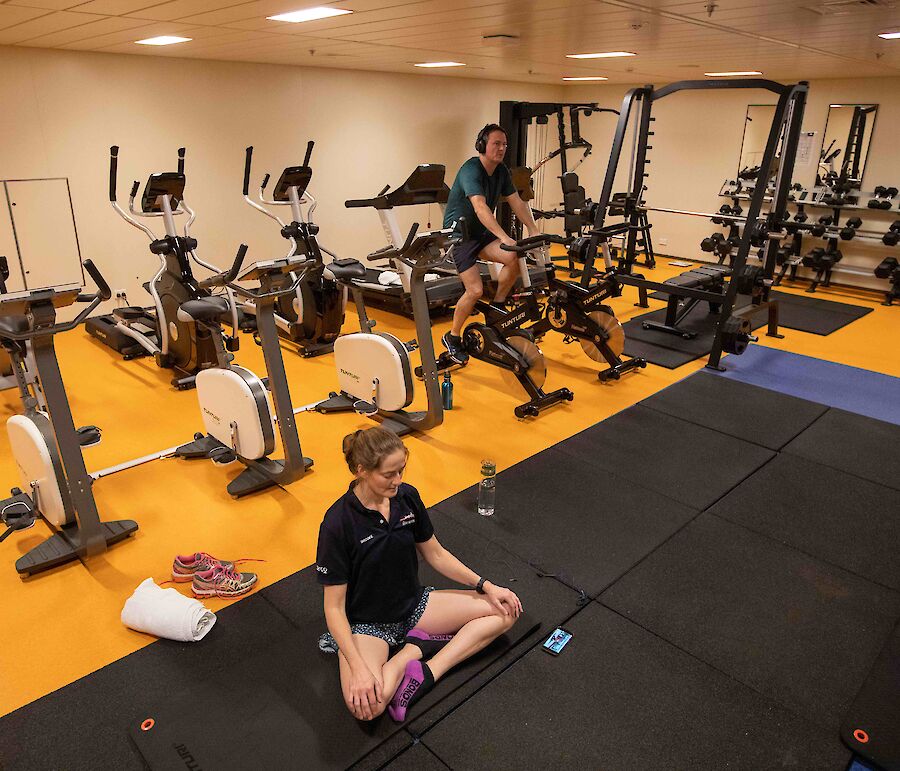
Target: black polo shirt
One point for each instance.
(376, 559)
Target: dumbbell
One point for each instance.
(886, 267)
(801, 217)
(813, 258)
(711, 243)
(723, 209)
(893, 235)
(820, 227)
(849, 229)
(879, 203)
(891, 192)
(782, 255)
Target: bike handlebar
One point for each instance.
(226, 277)
(534, 242)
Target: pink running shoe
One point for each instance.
(417, 681)
(222, 582)
(186, 565)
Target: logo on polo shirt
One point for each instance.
(409, 519)
(322, 569)
(367, 538)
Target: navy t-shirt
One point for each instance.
(377, 559)
(473, 179)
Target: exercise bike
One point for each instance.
(312, 317)
(44, 442)
(374, 368)
(237, 415)
(502, 339)
(579, 314)
(174, 342)
(16, 360)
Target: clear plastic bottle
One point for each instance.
(487, 488)
(447, 392)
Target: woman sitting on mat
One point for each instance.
(374, 602)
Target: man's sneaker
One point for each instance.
(222, 582)
(185, 566)
(453, 344)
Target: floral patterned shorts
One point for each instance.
(393, 634)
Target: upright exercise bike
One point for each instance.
(175, 343)
(312, 317)
(44, 442)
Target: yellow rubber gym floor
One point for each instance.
(67, 622)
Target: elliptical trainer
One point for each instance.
(175, 343)
(313, 316)
(44, 442)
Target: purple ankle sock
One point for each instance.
(429, 644)
(417, 681)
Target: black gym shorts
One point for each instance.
(465, 253)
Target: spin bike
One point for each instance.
(174, 342)
(502, 339)
(312, 317)
(16, 359)
(578, 313)
(44, 442)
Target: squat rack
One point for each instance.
(733, 327)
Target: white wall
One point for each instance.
(697, 144)
(62, 110)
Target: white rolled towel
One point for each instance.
(166, 613)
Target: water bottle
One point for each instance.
(486, 488)
(447, 392)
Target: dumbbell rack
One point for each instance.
(791, 257)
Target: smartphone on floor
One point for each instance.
(557, 641)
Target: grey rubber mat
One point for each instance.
(815, 315)
(620, 698)
(735, 408)
(853, 443)
(678, 459)
(571, 519)
(671, 351)
(797, 630)
(837, 517)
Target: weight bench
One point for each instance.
(709, 278)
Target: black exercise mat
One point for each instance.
(620, 698)
(755, 414)
(806, 313)
(417, 758)
(671, 351)
(837, 517)
(678, 459)
(871, 726)
(570, 519)
(797, 630)
(853, 443)
(83, 725)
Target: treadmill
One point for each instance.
(424, 186)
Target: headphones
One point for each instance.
(481, 139)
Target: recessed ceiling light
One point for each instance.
(309, 14)
(163, 40)
(588, 77)
(728, 74)
(889, 35)
(605, 55)
(440, 64)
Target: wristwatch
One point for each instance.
(480, 586)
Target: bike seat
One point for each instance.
(13, 324)
(346, 269)
(204, 309)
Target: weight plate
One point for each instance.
(537, 366)
(615, 331)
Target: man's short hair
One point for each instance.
(482, 138)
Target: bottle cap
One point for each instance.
(488, 468)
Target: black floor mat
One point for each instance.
(671, 351)
(797, 630)
(755, 414)
(570, 519)
(872, 725)
(837, 517)
(620, 698)
(806, 313)
(83, 725)
(681, 460)
(853, 443)
(417, 758)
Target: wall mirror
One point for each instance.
(845, 144)
(757, 124)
